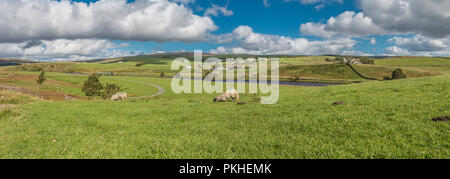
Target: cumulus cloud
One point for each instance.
(395, 51)
(419, 45)
(428, 21)
(142, 20)
(250, 42)
(429, 18)
(347, 23)
(62, 49)
(217, 10)
(387, 17)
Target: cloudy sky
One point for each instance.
(86, 29)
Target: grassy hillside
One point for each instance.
(389, 119)
(310, 68)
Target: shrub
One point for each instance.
(366, 60)
(162, 74)
(339, 59)
(295, 78)
(398, 74)
(68, 70)
(110, 90)
(32, 67)
(140, 64)
(92, 86)
(386, 78)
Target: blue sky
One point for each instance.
(86, 29)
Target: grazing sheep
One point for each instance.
(119, 96)
(225, 97)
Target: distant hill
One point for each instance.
(12, 61)
(163, 57)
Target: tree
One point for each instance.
(110, 90)
(41, 78)
(162, 74)
(398, 74)
(92, 86)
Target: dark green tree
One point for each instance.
(398, 74)
(92, 86)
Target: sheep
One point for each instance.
(119, 96)
(230, 94)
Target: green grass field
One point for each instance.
(381, 119)
(378, 120)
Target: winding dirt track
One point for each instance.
(161, 90)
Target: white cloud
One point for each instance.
(143, 20)
(266, 3)
(429, 17)
(319, 7)
(428, 21)
(347, 23)
(387, 17)
(217, 10)
(394, 50)
(62, 49)
(316, 29)
(420, 45)
(373, 41)
(250, 42)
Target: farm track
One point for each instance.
(161, 90)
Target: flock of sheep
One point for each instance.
(232, 95)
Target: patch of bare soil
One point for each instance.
(442, 118)
(337, 103)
